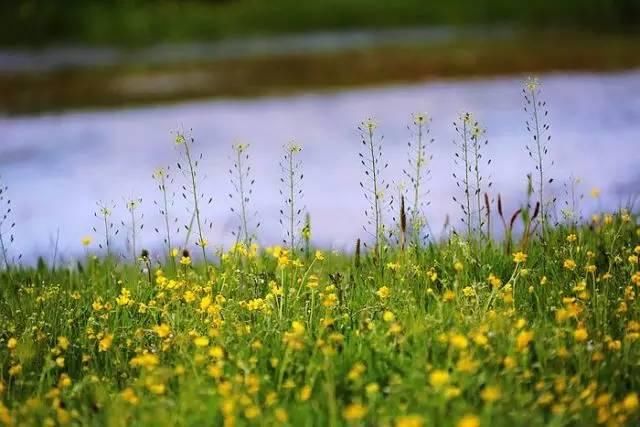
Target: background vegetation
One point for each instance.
(141, 22)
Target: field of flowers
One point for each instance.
(538, 327)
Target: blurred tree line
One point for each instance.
(139, 22)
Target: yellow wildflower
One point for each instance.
(145, 360)
(15, 370)
(630, 402)
(305, 393)
(494, 281)
(581, 334)
(125, 297)
(356, 371)
(469, 421)
(12, 343)
(201, 341)
(458, 341)
(354, 412)
(383, 293)
(491, 394)
(281, 415)
(63, 343)
(448, 295)
(519, 257)
(523, 339)
(438, 378)
(163, 330)
(129, 396)
(409, 421)
(105, 343)
(388, 316)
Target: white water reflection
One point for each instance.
(58, 166)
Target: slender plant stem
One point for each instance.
(540, 172)
(106, 234)
(242, 200)
(166, 211)
(465, 149)
(416, 187)
(376, 196)
(291, 204)
(4, 252)
(194, 188)
(476, 147)
(133, 233)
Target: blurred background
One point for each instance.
(91, 90)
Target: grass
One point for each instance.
(142, 22)
(540, 328)
(141, 84)
(441, 333)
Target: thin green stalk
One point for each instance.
(194, 188)
(245, 226)
(4, 251)
(291, 205)
(376, 196)
(543, 217)
(166, 211)
(465, 151)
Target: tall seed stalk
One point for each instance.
(374, 186)
(538, 127)
(306, 235)
(163, 178)
(133, 226)
(572, 212)
(108, 228)
(7, 225)
(191, 191)
(242, 182)
(417, 172)
(291, 180)
(469, 156)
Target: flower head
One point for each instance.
(519, 257)
(369, 124)
(469, 421)
(420, 118)
(532, 84)
(438, 378)
(383, 293)
(354, 412)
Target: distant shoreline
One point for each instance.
(63, 57)
(358, 64)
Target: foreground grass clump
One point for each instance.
(456, 334)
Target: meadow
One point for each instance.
(500, 319)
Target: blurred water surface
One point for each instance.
(58, 166)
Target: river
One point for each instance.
(59, 165)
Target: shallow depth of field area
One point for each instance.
(499, 318)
